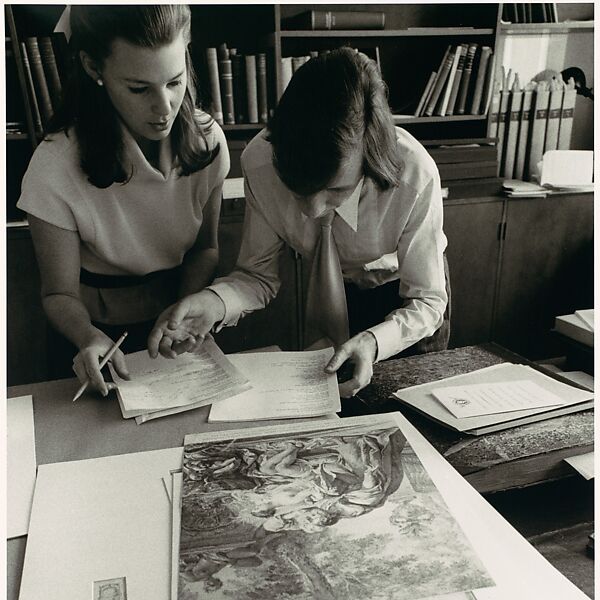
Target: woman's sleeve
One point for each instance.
(47, 188)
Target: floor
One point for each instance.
(557, 518)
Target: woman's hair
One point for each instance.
(332, 104)
(87, 108)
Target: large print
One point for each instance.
(342, 512)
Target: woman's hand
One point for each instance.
(183, 326)
(86, 363)
(361, 351)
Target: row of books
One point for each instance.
(462, 83)
(336, 20)
(44, 66)
(238, 86)
(539, 12)
(529, 121)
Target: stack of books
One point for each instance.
(45, 66)
(528, 121)
(238, 86)
(462, 83)
(460, 159)
(578, 326)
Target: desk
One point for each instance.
(93, 427)
(498, 461)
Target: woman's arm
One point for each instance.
(200, 262)
(57, 252)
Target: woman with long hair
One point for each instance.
(123, 194)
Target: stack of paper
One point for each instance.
(161, 386)
(285, 385)
(495, 398)
(578, 326)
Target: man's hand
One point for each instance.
(361, 351)
(183, 326)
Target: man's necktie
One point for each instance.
(326, 311)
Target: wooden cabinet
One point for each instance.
(473, 252)
(546, 270)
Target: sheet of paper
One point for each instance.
(519, 570)
(20, 467)
(493, 398)
(176, 483)
(421, 398)
(190, 379)
(101, 519)
(583, 464)
(284, 385)
(587, 317)
(567, 168)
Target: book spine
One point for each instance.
(213, 80)
(538, 128)
(39, 79)
(502, 118)
(523, 134)
(494, 114)
(443, 105)
(425, 94)
(513, 120)
(439, 82)
(554, 110)
(466, 78)
(50, 70)
(330, 19)
(238, 67)
(566, 119)
(226, 81)
(480, 79)
(261, 84)
(457, 77)
(251, 89)
(35, 109)
(486, 97)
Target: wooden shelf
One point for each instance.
(402, 119)
(382, 33)
(244, 127)
(16, 136)
(548, 28)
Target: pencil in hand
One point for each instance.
(103, 363)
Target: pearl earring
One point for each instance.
(100, 82)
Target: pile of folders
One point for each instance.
(462, 84)
(238, 86)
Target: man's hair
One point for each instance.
(333, 103)
(87, 108)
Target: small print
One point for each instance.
(110, 589)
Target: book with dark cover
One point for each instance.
(226, 81)
(33, 103)
(520, 160)
(465, 80)
(215, 90)
(251, 88)
(488, 86)
(39, 79)
(463, 154)
(444, 99)
(512, 129)
(336, 19)
(486, 52)
(443, 71)
(261, 85)
(62, 56)
(50, 70)
(425, 94)
(240, 100)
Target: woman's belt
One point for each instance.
(101, 281)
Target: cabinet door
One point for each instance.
(274, 325)
(26, 323)
(473, 252)
(547, 270)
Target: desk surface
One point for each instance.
(93, 427)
